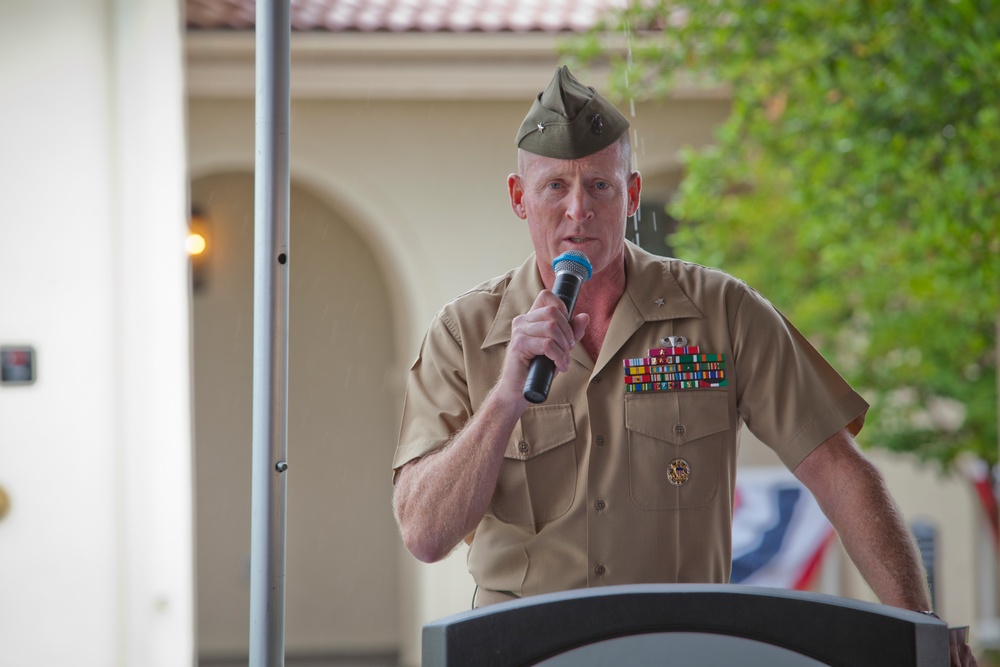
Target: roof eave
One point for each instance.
(385, 65)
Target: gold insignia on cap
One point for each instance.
(679, 472)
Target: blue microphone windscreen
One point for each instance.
(575, 262)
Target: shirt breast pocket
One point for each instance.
(675, 446)
(537, 481)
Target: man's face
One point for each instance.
(576, 205)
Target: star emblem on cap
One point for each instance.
(541, 128)
(660, 301)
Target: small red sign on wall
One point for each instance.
(17, 364)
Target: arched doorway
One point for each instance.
(342, 558)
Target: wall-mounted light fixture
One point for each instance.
(197, 246)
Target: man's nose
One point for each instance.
(579, 207)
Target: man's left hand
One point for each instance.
(961, 652)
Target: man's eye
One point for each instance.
(554, 186)
(601, 185)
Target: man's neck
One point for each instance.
(599, 295)
(598, 298)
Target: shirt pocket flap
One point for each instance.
(679, 417)
(541, 428)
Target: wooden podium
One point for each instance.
(686, 624)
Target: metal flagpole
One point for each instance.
(270, 353)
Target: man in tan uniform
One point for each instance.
(602, 483)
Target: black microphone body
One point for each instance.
(572, 269)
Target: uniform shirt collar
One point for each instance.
(651, 294)
(653, 289)
(524, 286)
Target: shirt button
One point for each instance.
(600, 505)
(522, 446)
(679, 430)
(599, 570)
(600, 441)
(596, 380)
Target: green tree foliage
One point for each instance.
(856, 184)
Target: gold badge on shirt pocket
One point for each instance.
(679, 472)
(679, 366)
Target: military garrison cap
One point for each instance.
(569, 120)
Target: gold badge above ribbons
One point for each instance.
(679, 472)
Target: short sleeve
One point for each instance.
(787, 393)
(437, 401)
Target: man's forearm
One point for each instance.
(854, 496)
(883, 549)
(441, 498)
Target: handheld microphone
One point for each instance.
(572, 269)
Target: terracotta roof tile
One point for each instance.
(409, 15)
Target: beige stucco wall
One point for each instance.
(341, 540)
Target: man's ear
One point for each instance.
(634, 187)
(516, 191)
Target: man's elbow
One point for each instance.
(422, 547)
(422, 534)
(417, 536)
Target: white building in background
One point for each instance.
(96, 548)
(126, 462)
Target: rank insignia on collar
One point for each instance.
(678, 472)
(675, 367)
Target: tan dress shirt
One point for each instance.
(584, 496)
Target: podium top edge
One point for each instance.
(674, 591)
